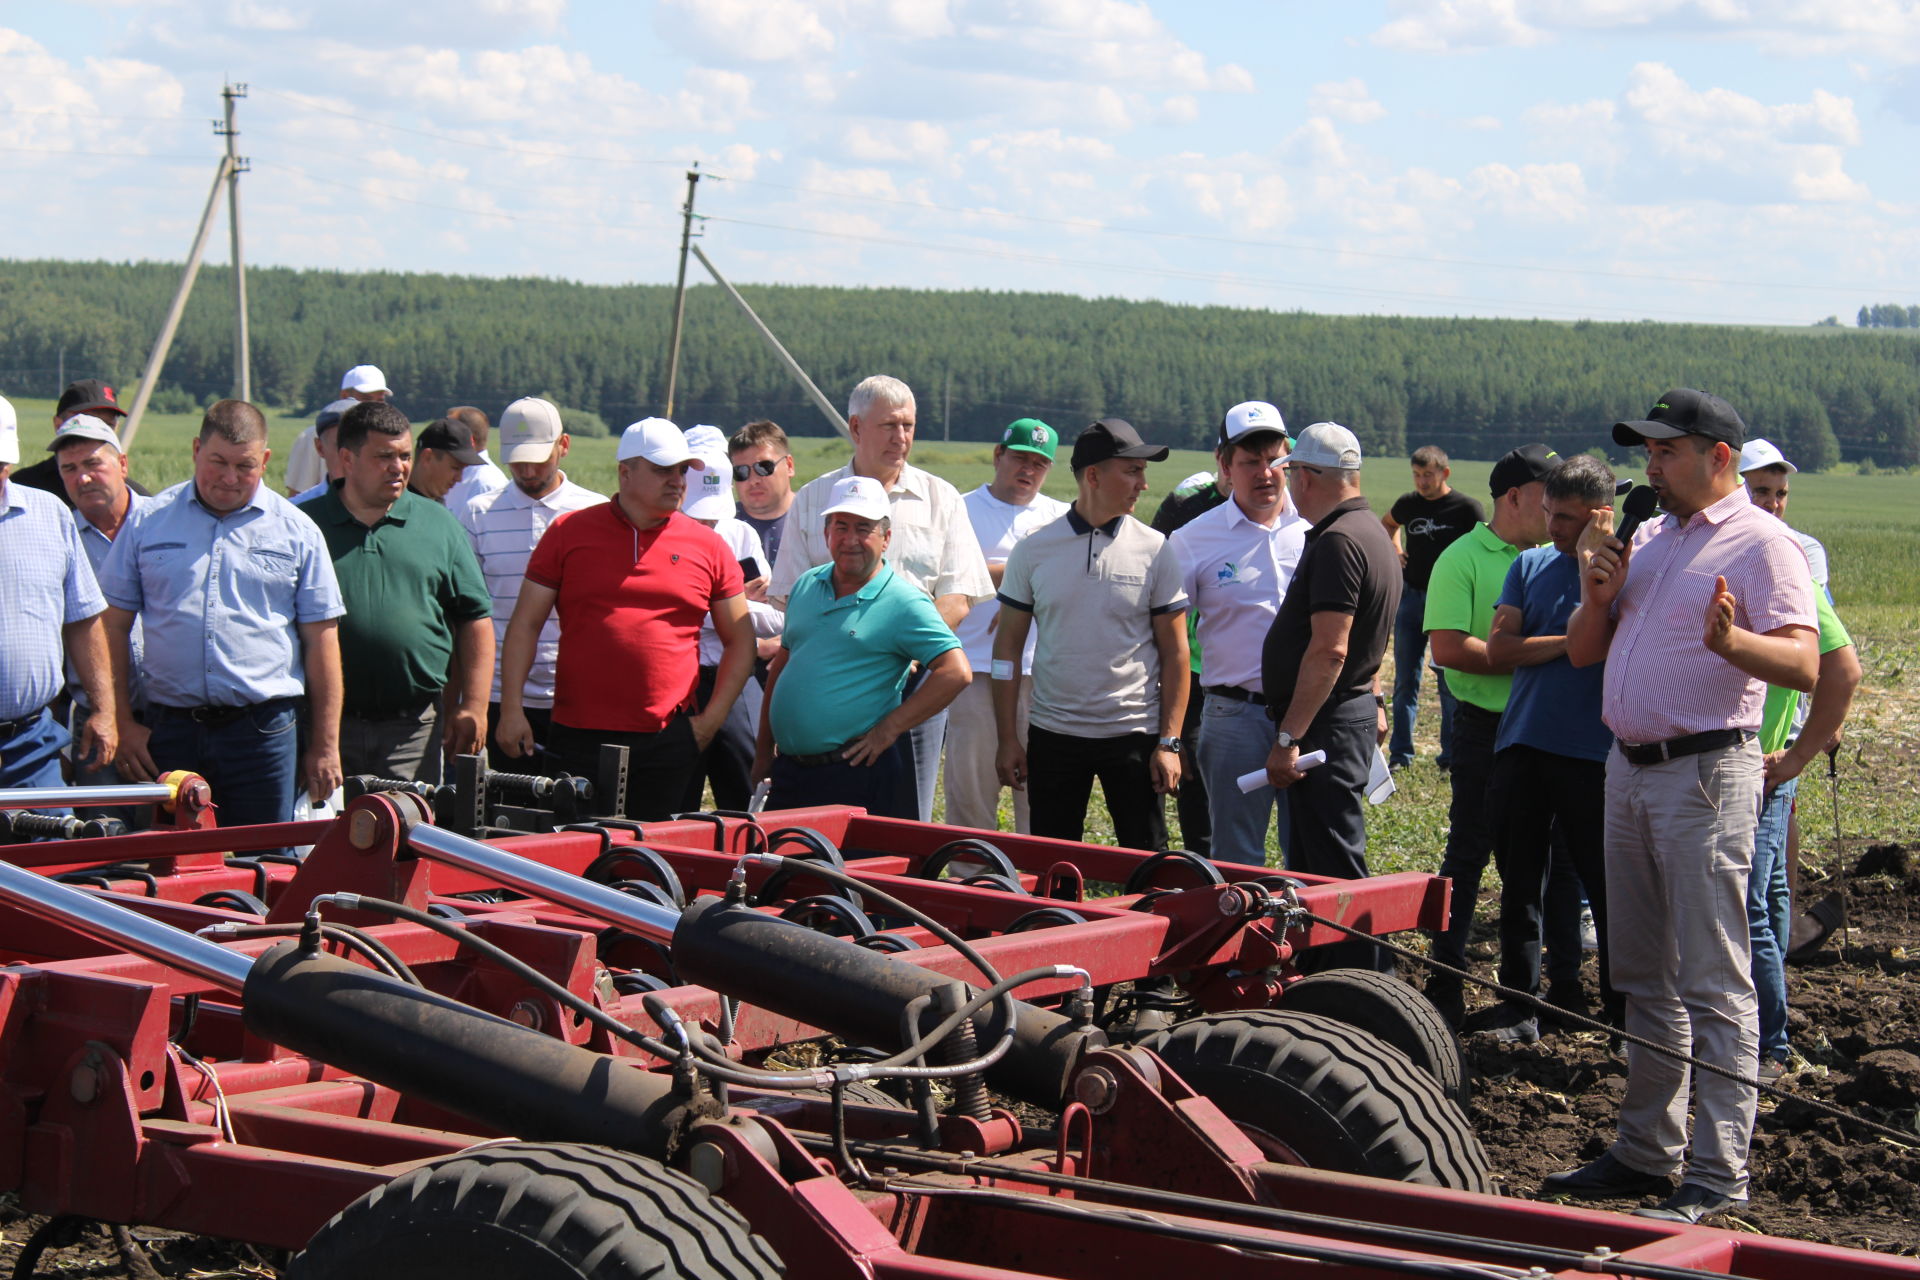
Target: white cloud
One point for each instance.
(736, 32)
(1555, 192)
(1425, 27)
(1345, 100)
(1786, 28)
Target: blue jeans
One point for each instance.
(924, 742)
(1235, 738)
(31, 758)
(1769, 914)
(249, 761)
(1409, 654)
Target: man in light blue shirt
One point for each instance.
(238, 599)
(52, 611)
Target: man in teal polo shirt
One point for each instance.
(854, 630)
(1461, 593)
(418, 613)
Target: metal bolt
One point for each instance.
(707, 1163)
(1096, 1088)
(363, 828)
(527, 1014)
(84, 1084)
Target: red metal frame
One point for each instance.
(103, 1115)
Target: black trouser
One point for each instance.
(658, 764)
(1060, 774)
(728, 759)
(1327, 821)
(542, 762)
(1190, 799)
(1532, 791)
(1469, 833)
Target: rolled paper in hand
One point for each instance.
(1251, 782)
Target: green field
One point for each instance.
(1870, 525)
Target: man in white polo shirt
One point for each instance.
(505, 526)
(1110, 669)
(1235, 563)
(1002, 512)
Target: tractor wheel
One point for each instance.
(1392, 1010)
(537, 1211)
(1313, 1091)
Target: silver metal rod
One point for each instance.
(157, 358)
(793, 366)
(97, 917)
(647, 919)
(85, 797)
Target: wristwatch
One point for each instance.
(1284, 739)
(1168, 744)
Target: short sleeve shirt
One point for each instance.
(848, 657)
(1348, 566)
(46, 582)
(222, 595)
(997, 526)
(932, 545)
(1094, 591)
(1464, 586)
(1777, 717)
(1235, 572)
(1429, 526)
(631, 602)
(409, 580)
(97, 546)
(1553, 706)
(503, 527)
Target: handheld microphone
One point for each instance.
(1641, 503)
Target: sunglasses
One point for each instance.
(764, 467)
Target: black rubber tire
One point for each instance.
(537, 1211)
(1392, 1010)
(1318, 1092)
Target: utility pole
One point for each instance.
(680, 287)
(237, 165)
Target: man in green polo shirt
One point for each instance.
(1461, 594)
(418, 613)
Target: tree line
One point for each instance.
(976, 359)
(1889, 315)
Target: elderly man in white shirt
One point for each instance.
(505, 526)
(1236, 561)
(932, 545)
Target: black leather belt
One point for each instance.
(1235, 693)
(213, 717)
(1645, 753)
(12, 728)
(817, 759)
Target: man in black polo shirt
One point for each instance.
(1320, 667)
(1422, 524)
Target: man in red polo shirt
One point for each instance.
(633, 580)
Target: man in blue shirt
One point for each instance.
(238, 600)
(854, 629)
(52, 612)
(1549, 764)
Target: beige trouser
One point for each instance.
(1679, 838)
(972, 785)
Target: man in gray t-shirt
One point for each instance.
(1104, 592)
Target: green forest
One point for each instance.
(977, 359)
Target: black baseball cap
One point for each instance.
(455, 439)
(1114, 438)
(1520, 466)
(89, 395)
(1685, 412)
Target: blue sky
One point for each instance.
(1718, 160)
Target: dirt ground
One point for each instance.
(1549, 1106)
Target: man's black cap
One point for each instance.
(1520, 466)
(455, 439)
(1685, 412)
(89, 395)
(1114, 438)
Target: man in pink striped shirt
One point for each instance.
(1710, 605)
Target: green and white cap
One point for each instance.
(1030, 435)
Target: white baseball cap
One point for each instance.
(710, 492)
(657, 441)
(1250, 418)
(84, 426)
(1755, 454)
(9, 433)
(529, 430)
(861, 496)
(1328, 445)
(708, 441)
(364, 378)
